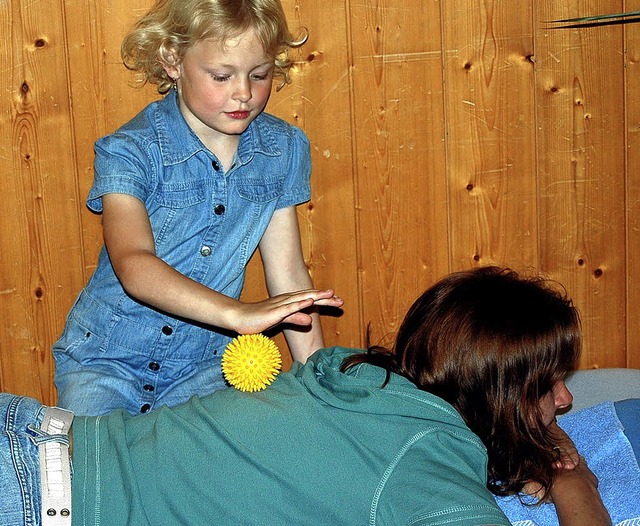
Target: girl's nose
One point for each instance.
(562, 395)
(242, 91)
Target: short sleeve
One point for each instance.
(121, 166)
(440, 479)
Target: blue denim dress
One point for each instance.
(116, 352)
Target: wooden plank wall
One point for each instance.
(445, 135)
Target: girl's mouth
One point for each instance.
(238, 115)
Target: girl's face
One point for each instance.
(223, 86)
(558, 398)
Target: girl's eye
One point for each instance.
(263, 75)
(220, 78)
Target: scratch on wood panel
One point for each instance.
(405, 57)
(554, 57)
(579, 166)
(7, 291)
(480, 120)
(570, 182)
(496, 170)
(329, 92)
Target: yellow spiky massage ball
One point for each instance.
(251, 362)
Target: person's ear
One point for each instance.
(171, 64)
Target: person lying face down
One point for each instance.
(498, 347)
(418, 435)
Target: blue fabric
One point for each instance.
(628, 412)
(20, 494)
(594, 386)
(118, 353)
(600, 438)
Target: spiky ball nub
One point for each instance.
(251, 362)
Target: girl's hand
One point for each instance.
(252, 318)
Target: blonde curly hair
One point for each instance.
(171, 27)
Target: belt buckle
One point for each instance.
(55, 472)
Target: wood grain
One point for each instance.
(581, 169)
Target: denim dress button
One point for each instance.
(219, 210)
(154, 366)
(148, 388)
(167, 331)
(145, 408)
(205, 251)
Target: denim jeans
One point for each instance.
(20, 493)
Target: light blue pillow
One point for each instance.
(593, 386)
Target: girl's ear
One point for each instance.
(171, 64)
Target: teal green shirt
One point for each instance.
(316, 447)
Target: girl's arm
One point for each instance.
(129, 241)
(285, 270)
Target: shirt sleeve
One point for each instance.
(440, 478)
(121, 166)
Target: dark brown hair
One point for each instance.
(491, 343)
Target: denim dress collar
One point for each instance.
(177, 142)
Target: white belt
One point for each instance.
(55, 471)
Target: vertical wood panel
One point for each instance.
(491, 133)
(399, 134)
(581, 153)
(102, 93)
(39, 226)
(323, 110)
(632, 169)
(318, 102)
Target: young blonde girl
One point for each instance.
(188, 190)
